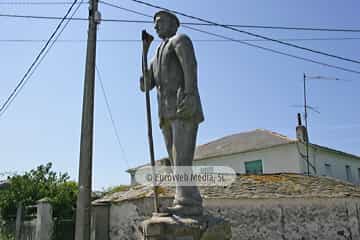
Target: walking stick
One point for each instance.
(146, 40)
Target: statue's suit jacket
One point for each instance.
(173, 70)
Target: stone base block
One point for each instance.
(176, 228)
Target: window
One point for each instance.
(328, 171)
(209, 170)
(348, 173)
(254, 167)
(359, 173)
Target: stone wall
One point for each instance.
(293, 219)
(126, 217)
(28, 230)
(258, 219)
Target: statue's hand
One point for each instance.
(186, 106)
(142, 81)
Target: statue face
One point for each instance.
(164, 26)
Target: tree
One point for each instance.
(36, 184)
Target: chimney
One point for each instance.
(299, 119)
(301, 131)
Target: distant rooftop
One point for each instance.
(267, 186)
(250, 141)
(244, 142)
(241, 142)
(237, 143)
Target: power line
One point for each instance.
(38, 3)
(269, 49)
(249, 33)
(276, 51)
(76, 19)
(282, 28)
(40, 17)
(194, 40)
(38, 59)
(184, 23)
(108, 107)
(123, 8)
(242, 26)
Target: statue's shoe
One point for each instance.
(185, 211)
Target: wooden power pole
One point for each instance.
(83, 209)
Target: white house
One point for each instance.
(262, 151)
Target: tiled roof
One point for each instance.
(335, 151)
(241, 142)
(267, 186)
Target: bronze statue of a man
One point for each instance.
(173, 71)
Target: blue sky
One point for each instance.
(242, 88)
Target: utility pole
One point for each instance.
(306, 126)
(83, 209)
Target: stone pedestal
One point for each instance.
(177, 228)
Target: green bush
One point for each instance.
(4, 232)
(115, 189)
(5, 236)
(37, 184)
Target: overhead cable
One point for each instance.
(38, 3)
(194, 40)
(271, 50)
(248, 33)
(108, 108)
(44, 50)
(242, 26)
(276, 51)
(184, 23)
(123, 8)
(76, 19)
(282, 28)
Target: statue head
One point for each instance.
(166, 24)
